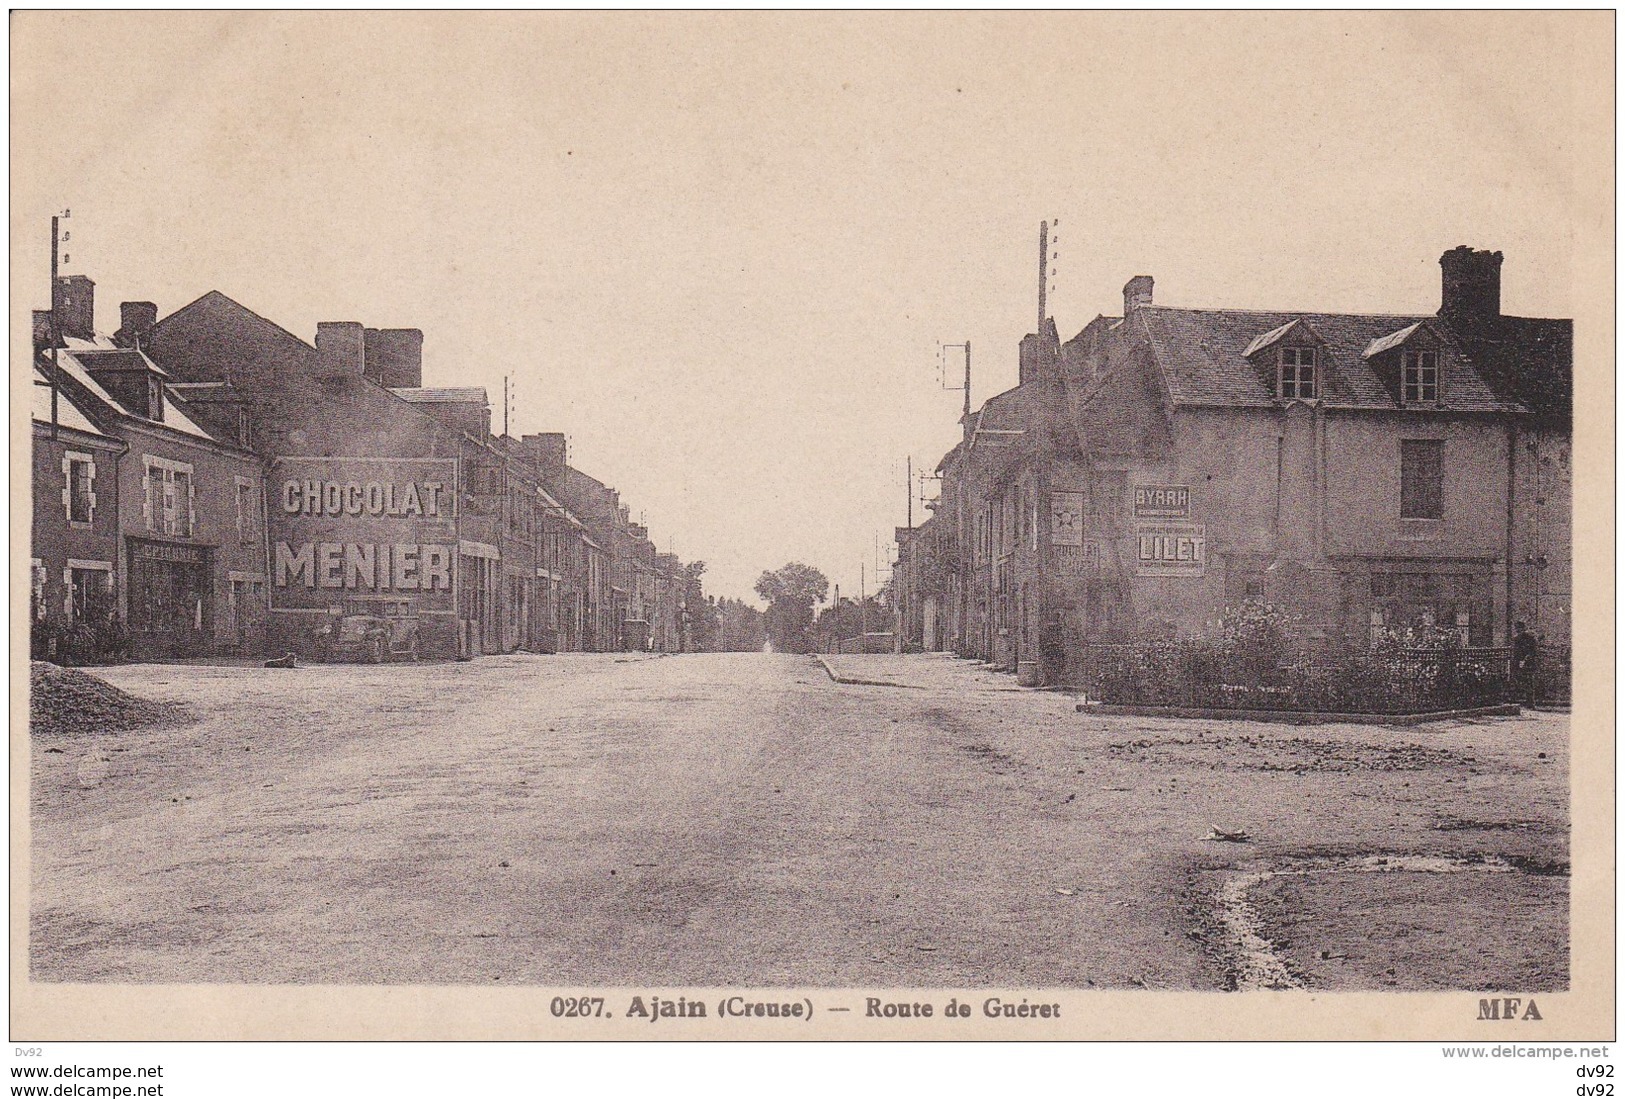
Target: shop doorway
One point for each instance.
(170, 605)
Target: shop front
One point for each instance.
(171, 612)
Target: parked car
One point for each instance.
(370, 631)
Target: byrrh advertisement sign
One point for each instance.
(1162, 502)
(346, 528)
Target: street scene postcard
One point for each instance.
(812, 526)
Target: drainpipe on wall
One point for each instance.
(1512, 489)
(265, 534)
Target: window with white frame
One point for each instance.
(38, 592)
(1421, 377)
(79, 487)
(89, 590)
(1297, 372)
(170, 498)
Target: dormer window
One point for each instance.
(1297, 373)
(1420, 377)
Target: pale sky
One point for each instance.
(720, 251)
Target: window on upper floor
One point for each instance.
(79, 493)
(1420, 377)
(1296, 377)
(169, 504)
(1421, 478)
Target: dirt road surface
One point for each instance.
(743, 820)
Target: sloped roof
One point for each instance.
(68, 412)
(1202, 353)
(174, 418)
(217, 302)
(443, 395)
(1389, 342)
(122, 360)
(1527, 359)
(1003, 412)
(1274, 335)
(206, 392)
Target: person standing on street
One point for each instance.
(1525, 662)
(1052, 652)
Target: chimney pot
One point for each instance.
(1136, 292)
(340, 349)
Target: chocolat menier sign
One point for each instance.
(358, 528)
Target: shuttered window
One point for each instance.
(1421, 479)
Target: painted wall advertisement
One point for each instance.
(1171, 549)
(360, 530)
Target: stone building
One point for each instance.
(229, 487)
(187, 575)
(1372, 475)
(75, 535)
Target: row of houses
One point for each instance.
(209, 483)
(1372, 476)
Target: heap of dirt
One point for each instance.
(65, 702)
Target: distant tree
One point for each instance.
(739, 627)
(701, 613)
(791, 593)
(851, 618)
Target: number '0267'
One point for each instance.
(578, 1007)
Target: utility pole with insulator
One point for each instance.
(54, 327)
(1043, 274)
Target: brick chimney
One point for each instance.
(1472, 286)
(548, 453)
(74, 300)
(394, 357)
(136, 322)
(42, 329)
(1136, 292)
(340, 349)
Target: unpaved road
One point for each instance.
(742, 820)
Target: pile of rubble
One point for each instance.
(65, 702)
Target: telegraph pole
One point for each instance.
(51, 335)
(908, 483)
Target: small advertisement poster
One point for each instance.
(1162, 502)
(1171, 549)
(1066, 519)
(1079, 560)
